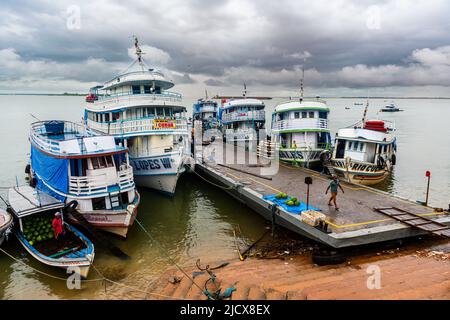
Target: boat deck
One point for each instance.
(355, 223)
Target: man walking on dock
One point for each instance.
(334, 184)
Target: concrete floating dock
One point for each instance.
(356, 223)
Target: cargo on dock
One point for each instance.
(356, 223)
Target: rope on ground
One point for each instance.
(214, 184)
(164, 253)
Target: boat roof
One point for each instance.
(302, 105)
(69, 139)
(25, 201)
(139, 77)
(243, 102)
(368, 135)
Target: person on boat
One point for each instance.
(57, 225)
(294, 145)
(334, 185)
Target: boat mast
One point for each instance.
(138, 52)
(302, 81)
(244, 93)
(365, 111)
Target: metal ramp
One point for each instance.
(416, 221)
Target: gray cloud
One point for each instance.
(348, 44)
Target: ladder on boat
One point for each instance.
(416, 221)
(329, 167)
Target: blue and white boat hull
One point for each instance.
(159, 172)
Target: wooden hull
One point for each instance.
(117, 222)
(82, 263)
(364, 178)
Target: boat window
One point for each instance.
(147, 90)
(109, 161)
(136, 89)
(361, 147)
(159, 112)
(99, 203)
(350, 145)
(311, 114)
(124, 197)
(296, 115)
(98, 163)
(322, 115)
(107, 117)
(115, 116)
(304, 115)
(355, 146)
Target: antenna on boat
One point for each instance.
(365, 111)
(138, 51)
(35, 117)
(206, 94)
(244, 93)
(302, 80)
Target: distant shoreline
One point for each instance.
(66, 94)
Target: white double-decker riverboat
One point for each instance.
(72, 162)
(300, 128)
(242, 120)
(138, 110)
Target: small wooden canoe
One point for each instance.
(34, 211)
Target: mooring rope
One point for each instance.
(214, 184)
(164, 253)
(102, 279)
(42, 272)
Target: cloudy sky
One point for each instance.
(360, 47)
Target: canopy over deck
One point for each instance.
(26, 201)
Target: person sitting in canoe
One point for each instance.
(57, 225)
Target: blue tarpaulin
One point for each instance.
(54, 127)
(295, 209)
(51, 173)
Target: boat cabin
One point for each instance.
(365, 144)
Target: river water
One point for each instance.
(200, 220)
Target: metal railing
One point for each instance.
(90, 185)
(40, 137)
(258, 115)
(130, 96)
(300, 124)
(140, 125)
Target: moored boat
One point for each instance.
(206, 111)
(300, 128)
(6, 221)
(365, 153)
(242, 119)
(72, 162)
(390, 108)
(33, 212)
(93, 94)
(139, 111)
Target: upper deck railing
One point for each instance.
(300, 124)
(258, 115)
(138, 126)
(98, 184)
(68, 138)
